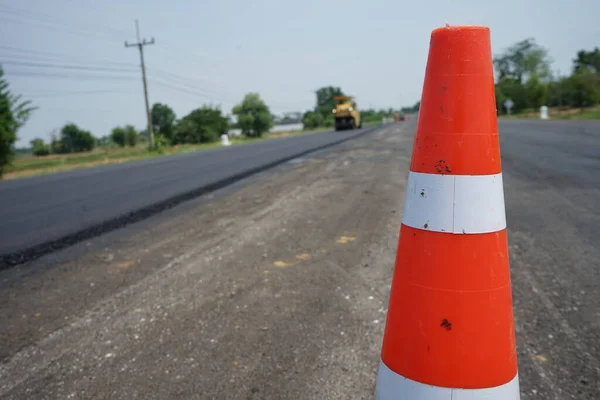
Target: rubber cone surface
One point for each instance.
(449, 331)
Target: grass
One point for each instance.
(591, 113)
(560, 113)
(28, 165)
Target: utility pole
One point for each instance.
(140, 45)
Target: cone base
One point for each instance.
(391, 386)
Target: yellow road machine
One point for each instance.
(346, 113)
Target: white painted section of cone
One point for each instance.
(391, 386)
(460, 204)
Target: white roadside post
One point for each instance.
(225, 140)
(508, 104)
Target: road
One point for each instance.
(277, 287)
(44, 213)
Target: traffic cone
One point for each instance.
(449, 332)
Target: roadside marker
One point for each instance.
(449, 332)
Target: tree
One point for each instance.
(131, 136)
(523, 76)
(56, 146)
(583, 89)
(522, 60)
(203, 125)
(103, 141)
(124, 136)
(326, 100)
(254, 117)
(370, 115)
(412, 109)
(13, 115)
(163, 120)
(321, 115)
(117, 135)
(39, 148)
(511, 89)
(312, 120)
(75, 140)
(537, 92)
(587, 60)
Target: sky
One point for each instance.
(215, 51)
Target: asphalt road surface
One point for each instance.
(277, 287)
(82, 203)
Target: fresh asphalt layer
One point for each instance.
(42, 214)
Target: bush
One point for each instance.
(312, 120)
(163, 120)
(118, 136)
(13, 114)
(74, 140)
(124, 136)
(203, 125)
(583, 89)
(131, 136)
(160, 142)
(254, 117)
(39, 148)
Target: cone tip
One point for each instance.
(459, 29)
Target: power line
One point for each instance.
(36, 54)
(189, 81)
(185, 54)
(35, 62)
(64, 66)
(166, 77)
(78, 111)
(21, 50)
(75, 93)
(186, 90)
(173, 79)
(68, 76)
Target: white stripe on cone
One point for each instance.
(459, 204)
(391, 386)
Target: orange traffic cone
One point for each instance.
(449, 332)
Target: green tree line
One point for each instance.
(524, 75)
(411, 109)
(203, 125)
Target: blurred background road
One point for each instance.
(276, 287)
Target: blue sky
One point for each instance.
(214, 51)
